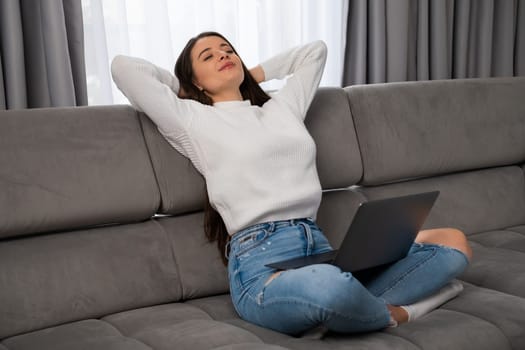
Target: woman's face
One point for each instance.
(216, 68)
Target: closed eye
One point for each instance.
(208, 57)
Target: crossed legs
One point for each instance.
(448, 237)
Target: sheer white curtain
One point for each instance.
(157, 30)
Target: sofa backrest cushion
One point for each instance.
(474, 201)
(329, 122)
(417, 129)
(181, 186)
(66, 168)
(198, 262)
(51, 279)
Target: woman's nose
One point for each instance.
(222, 55)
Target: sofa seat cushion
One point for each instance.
(498, 260)
(512, 238)
(445, 329)
(221, 308)
(87, 334)
(181, 325)
(479, 318)
(504, 311)
(100, 335)
(456, 328)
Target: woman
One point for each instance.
(258, 160)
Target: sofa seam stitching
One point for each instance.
(122, 334)
(173, 256)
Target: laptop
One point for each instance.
(381, 233)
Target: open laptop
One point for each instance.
(381, 232)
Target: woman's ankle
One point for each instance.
(399, 314)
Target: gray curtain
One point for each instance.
(400, 40)
(41, 54)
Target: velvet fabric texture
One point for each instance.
(67, 168)
(85, 264)
(409, 130)
(65, 277)
(87, 334)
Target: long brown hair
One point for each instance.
(214, 226)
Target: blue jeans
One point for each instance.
(322, 294)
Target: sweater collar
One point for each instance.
(232, 104)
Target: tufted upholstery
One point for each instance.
(85, 262)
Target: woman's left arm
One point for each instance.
(258, 74)
(305, 64)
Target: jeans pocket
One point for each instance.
(249, 242)
(321, 243)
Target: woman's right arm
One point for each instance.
(152, 90)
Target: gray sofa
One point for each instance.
(101, 238)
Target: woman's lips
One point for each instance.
(226, 66)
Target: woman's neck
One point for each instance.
(231, 95)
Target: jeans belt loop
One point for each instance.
(309, 237)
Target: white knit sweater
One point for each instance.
(258, 162)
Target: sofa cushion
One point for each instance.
(445, 329)
(220, 308)
(56, 278)
(249, 346)
(474, 201)
(182, 188)
(497, 268)
(330, 123)
(512, 238)
(499, 260)
(506, 312)
(198, 262)
(186, 326)
(417, 129)
(87, 334)
(461, 329)
(328, 120)
(478, 318)
(65, 168)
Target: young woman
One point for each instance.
(258, 160)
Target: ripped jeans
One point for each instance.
(322, 294)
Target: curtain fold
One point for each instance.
(12, 52)
(42, 54)
(404, 40)
(158, 30)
